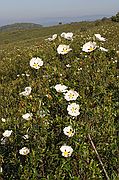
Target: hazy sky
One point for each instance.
(18, 10)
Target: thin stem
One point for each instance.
(98, 157)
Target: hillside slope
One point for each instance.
(19, 26)
(55, 133)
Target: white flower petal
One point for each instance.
(24, 151)
(61, 88)
(36, 62)
(25, 136)
(89, 46)
(68, 36)
(68, 131)
(66, 150)
(27, 116)
(7, 133)
(54, 36)
(103, 49)
(99, 37)
(26, 92)
(63, 49)
(3, 120)
(73, 109)
(71, 95)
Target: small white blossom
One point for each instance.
(24, 151)
(68, 36)
(1, 169)
(71, 95)
(3, 120)
(26, 92)
(99, 37)
(3, 140)
(7, 133)
(73, 109)
(68, 65)
(63, 49)
(79, 69)
(27, 75)
(54, 36)
(103, 49)
(89, 46)
(115, 61)
(36, 62)
(61, 88)
(27, 116)
(25, 136)
(66, 150)
(68, 131)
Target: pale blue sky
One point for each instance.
(27, 10)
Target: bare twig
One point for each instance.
(98, 157)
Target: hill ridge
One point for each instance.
(17, 26)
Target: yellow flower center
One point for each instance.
(66, 153)
(73, 109)
(65, 50)
(71, 96)
(70, 132)
(91, 48)
(35, 65)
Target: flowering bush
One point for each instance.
(64, 124)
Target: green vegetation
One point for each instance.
(115, 18)
(18, 26)
(93, 75)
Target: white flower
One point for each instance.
(68, 65)
(3, 141)
(99, 37)
(68, 36)
(103, 49)
(28, 89)
(71, 95)
(3, 119)
(27, 116)
(89, 46)
(79, 69)
(36, 62)
(68, 131)
(54, 36)
(26, 92)
(7, 133)
(61, 88)
(63, 49)
(27, 75)
(73, 109)
(66, 150)
(24, 151)
(1, 169)
(25, 136)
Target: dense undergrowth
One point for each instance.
(93, 75)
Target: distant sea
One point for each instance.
(65, 20)
(54, 20)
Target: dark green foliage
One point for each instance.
(115, 18)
